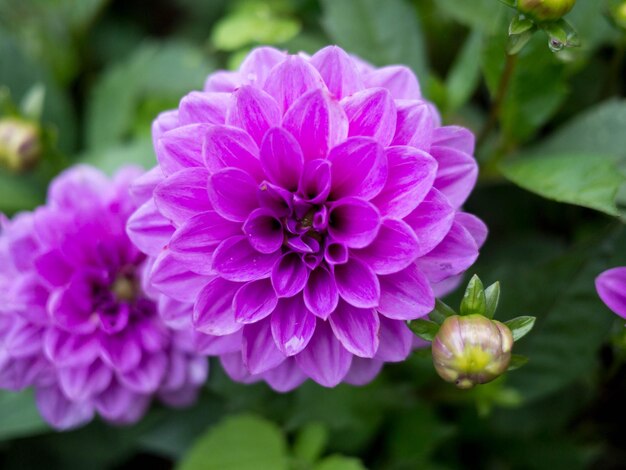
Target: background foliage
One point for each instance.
(108, 67)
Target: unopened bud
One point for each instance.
(20, 144)
(545, 10)
(471, 350)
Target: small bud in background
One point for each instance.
(545, 10)
(471, 350)
(20, 143)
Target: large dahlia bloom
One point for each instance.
(75, 322)
(611, 287)
(308, 206)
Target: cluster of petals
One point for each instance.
(611, 287)
(75, 323)
(308, 206)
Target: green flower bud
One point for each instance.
(20, 144)
(471, 349)
(545, 10)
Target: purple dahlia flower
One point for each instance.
(75, 322)
(611, 287)
(308, 206)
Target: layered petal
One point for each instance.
(357, 329)
(371, 113)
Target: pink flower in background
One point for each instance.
(308, 207)
(611, 287)
(75, 322)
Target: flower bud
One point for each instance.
(471, 349)
(20, 144)
(545, 10)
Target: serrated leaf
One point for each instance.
(517, 361)
(425, 329)
(474, 301)
(243, 442)
(588, 180)
(520, 326)
(492, 297)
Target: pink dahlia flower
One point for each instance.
(74, 321)
(611, 287)
(308, 206)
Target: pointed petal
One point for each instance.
(416, 124)
(318, 123)
(254, 301)
(396, 340)
(363, 371)
(258, 348)
(358, 168)
(325, 360)
(410, 177)
(83, 382)
(357, 284)
(285, 377)
(230, 147)
(143, 186)
(213, 313)
(148, 229)
(70, 307)
(258, 63)
(281, 158)
(405, 295)
(394, 248)
(316, 181)
(291, 79)
(292, 325)
(354, 222)
(183, 194)
(371, 113)
(289, 275)
(209, 345)
(147, 377)
(320, 293)
(121, 351)
(61, 413)
(455, 137)
(207, 107)
(235, 369)
(457, 173)
(69, 350)
(181, 147)
(338, 71)
(170, 277)
(611, 289)
(476, 227)
(398, 79)
(357, 329)
(236, 260)
(223, 81)
(165, 121)
(264, 231)
(119, 405)
(233, 194)
(431, 220)
(254, 111)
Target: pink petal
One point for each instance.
(60, 412)
(285, 377)
(611, 289)
(170, 277)
(431, 220)
(254, 111)
(405, 295)
(195, 241)
(143, 186)
(119, 405)
(396, 340)
(213, 313)
(69, 350)
(209, 345)
(289, 275)
(292, 325)
(230, 147)
(258, 348)
(70, 307)
(363, 371)
(476, 227)
(264, 231)
(357, 284)
(183, 194)
(320, 293)
(315, 183)
(338, 71)
(235, 369)
(258, 63)
(399, 80)
(165, 121)
(236, 260)
(457, 173)
(359, 168)
(455, 137)
(233, 194)
(410, 177)
(416, 124)
(394, 248)
(281, 158)
(181, 147)
(371, 113)
(357, 329)
(205, 107)
(121, 351)
(53, 268)
(223, 81)
(318, 123)
(324, 360)
(354, 222)
(291, 79)
(148, 229)
(83, 382)
(254, 301)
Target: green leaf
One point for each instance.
(310, 442)
(19, 415)
(518, 41)
(520, 24)
(588, 180)
(32, 104)
(474, 301)
(492, 297)
(441, 311)
(339, 462)
(465, 73)
(19, 192)
(243, 442)
(520, 326)
(517, 361)
(425, 329)
(486, 16)
(383, 35)
(110, 159)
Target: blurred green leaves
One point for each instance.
(19, 416)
